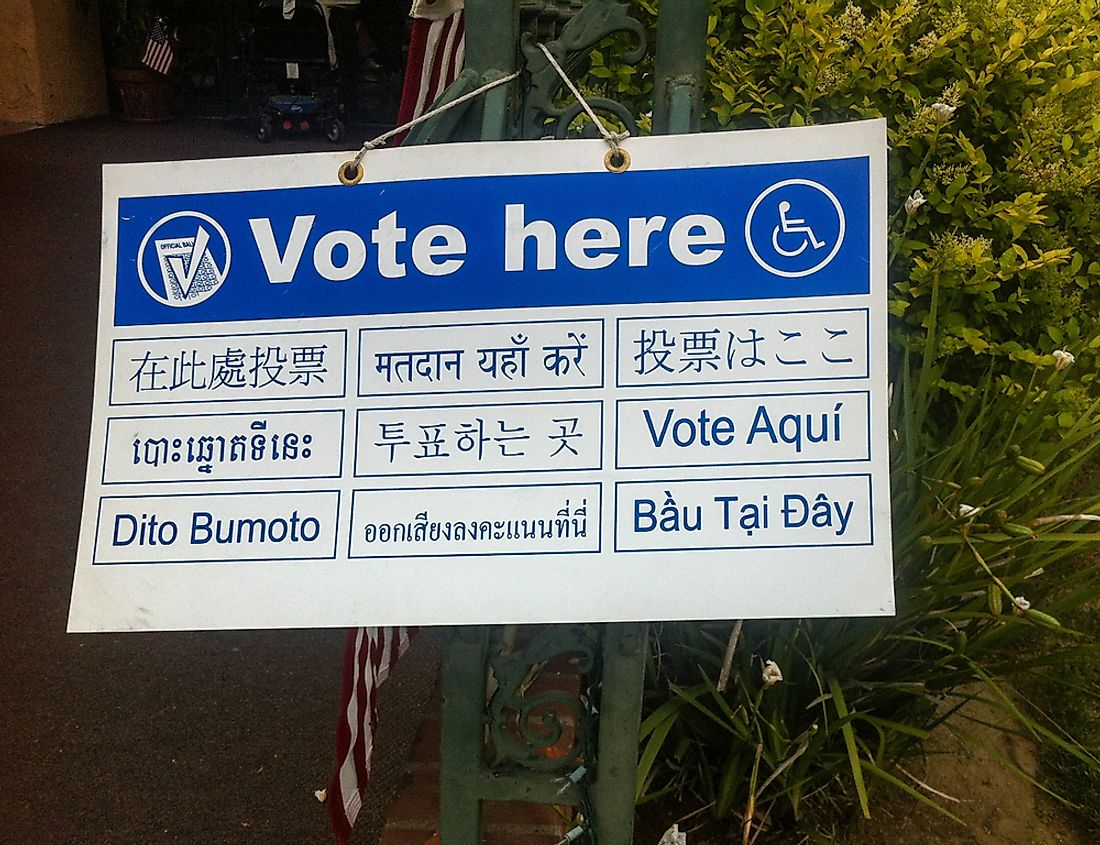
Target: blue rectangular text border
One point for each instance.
(865, 393)
(114, 348)
(359, 411)
(621, 320)
(335, 529)
(362, 331)
(337, 474)
(870, 514)
(599, 532)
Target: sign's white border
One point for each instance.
(826, 581)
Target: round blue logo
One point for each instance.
(183, 259)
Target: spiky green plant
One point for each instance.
(994, 266)
(987, 528)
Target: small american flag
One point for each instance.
(159, 54)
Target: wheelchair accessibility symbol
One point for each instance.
(794, 228)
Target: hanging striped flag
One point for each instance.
(436, 53)
(159, 54)
(369, 656)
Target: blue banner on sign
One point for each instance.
(702, 234)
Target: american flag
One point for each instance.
(436, 53)
(369, 656)
(159, 54)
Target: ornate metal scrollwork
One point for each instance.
(537, 725)
(545, 18)
(572, 49)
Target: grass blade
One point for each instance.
(850, 743)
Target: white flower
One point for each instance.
(966, 511)
(1062, 359)
(943, 112)
(772, 674)
(1020, 605)
(914, 201)
(320, 794)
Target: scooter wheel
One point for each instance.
(334, 131)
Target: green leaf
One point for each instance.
(850, 745)
(732, 778)
(649, 754)
(874, 770)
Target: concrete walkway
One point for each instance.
(137, 739)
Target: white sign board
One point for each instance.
(493, 383)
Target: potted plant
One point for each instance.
(143, 93)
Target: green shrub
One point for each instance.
(982, 526)
(993, 114)
(993, 111)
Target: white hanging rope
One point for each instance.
(612, 138)
(428, 115)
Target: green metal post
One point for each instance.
(624, 647)
(492, 38)
(492, 35)
(680, 66)
(466, 778)
(462, 723)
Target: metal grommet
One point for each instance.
(351, 172)
(617, 160)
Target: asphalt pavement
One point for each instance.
(150, 738)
